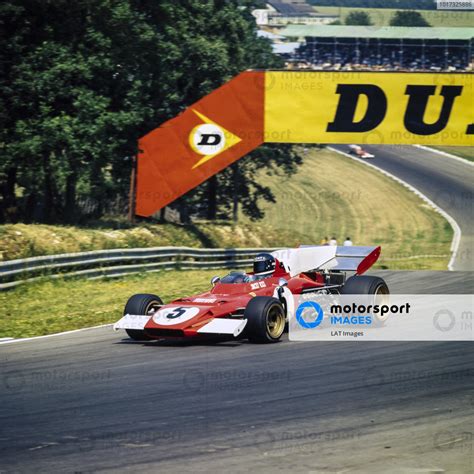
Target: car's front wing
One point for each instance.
(233, 327)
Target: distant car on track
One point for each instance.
(255, 305)
(360, 152)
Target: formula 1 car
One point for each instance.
(360, 152)
(255, 305)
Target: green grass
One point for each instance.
(53, 306)
(466, 152)
(333, 195)
(29, 240)
(24, 240)
(330, 195)
(382, 16)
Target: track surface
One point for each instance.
(90, 401)
(448, 183)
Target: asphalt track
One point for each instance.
(449, 183)
(93, 402)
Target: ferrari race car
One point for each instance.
(255, 305)
(360, 152)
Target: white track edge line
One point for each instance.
(11, 341)
(446, 154)
(455, 226)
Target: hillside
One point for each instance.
(330, 195)
(334, 195)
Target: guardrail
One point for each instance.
(119, 262)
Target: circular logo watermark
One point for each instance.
(444, 440)
(307, 311)
(373, 138)
(265, 441)
(445, 198)
(194, 380)
(377, 20)
(14, 381)
(444, 320)
(264, 81)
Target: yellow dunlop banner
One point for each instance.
(256, 107)
(369, 107)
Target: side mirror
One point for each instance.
(215, 280)
(282, 282)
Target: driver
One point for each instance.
(264, 266)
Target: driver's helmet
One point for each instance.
(264, 265)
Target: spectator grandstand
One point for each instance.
(385, 48)
(284, 12)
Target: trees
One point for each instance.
(408, 18)
(73, 88)
(238, 187)
(82, 81)
(358, 18)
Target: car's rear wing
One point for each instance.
(353, 259)
(327, 257)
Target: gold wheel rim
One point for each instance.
(381, 297)
(275, 322)
(152, 307)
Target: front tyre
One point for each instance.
(265, 319)
(141, 304)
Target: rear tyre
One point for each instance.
(365, 285)
(265, 319)
(369, 285)
(141, 304)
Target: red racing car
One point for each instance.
(360, 152)
(255, 305)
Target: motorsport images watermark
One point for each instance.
(118, 442)
(380, 317)
(228, 380)
(45, 380)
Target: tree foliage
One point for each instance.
(408, 18)
(238, 187)
(82, 81)
(358, 18)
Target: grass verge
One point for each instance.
(29, 240)
(50, 307)
(334, 195)
(466, 152)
